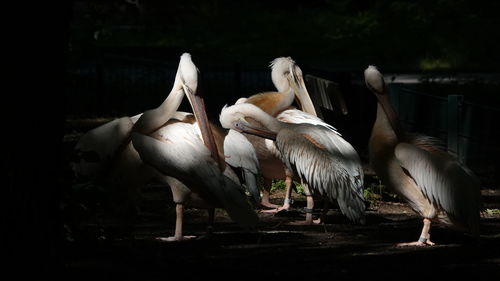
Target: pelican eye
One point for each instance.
(239, 125)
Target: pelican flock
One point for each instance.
(210, 166)
(433, 183)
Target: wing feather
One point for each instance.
(297, 117)
(334, 172)
(241, 153)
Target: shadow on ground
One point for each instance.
(336, 249)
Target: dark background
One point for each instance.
(332, 39)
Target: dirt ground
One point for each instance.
(336, 249)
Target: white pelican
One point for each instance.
(326, 164)
(288, 80)
(104, 156)
(435, 184)
(190, 153)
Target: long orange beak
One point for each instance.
(245, 127)
(198, 105)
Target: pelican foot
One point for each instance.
(317, 221)
(420, 243)
(269, 206)
(303, 222)
(269, 211)
(277, 209)
(173, 238)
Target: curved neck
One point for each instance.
(390, 115)
(153, 119)
(259, 115)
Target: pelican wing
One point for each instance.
(447, 185)
(177, 150)
(97, 146)
(240, 153)
(296, 116)
(327, 163)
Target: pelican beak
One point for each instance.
(198, 105)
(302, 96)
(245, 127)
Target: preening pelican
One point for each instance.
(326, 164)
(432, 182)
(190, 154)
(288, 80)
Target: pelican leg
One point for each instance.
(309, 208)
(425, 237)
(323, 213)
(266, 193)
(288, 195)
(179, 210)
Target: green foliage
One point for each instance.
(492, 211)
(280, 185)
(375, 191)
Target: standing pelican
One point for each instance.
(287, 78)
(326, 164)
(435, 185)
(190, 153)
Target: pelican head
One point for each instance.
(187, 73)
(287, 76)
(235, 117)
(283, 72)
(186, 80)
(374, 80)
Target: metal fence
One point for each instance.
(469, 129)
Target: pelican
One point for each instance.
(288, 80)
(433, 183)
(326, 164)
(104, 156)
(189, 153)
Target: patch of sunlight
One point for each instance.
(492, 211)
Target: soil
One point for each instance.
(336, 248)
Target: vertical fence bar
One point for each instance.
(453, 124)
(394, 95)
